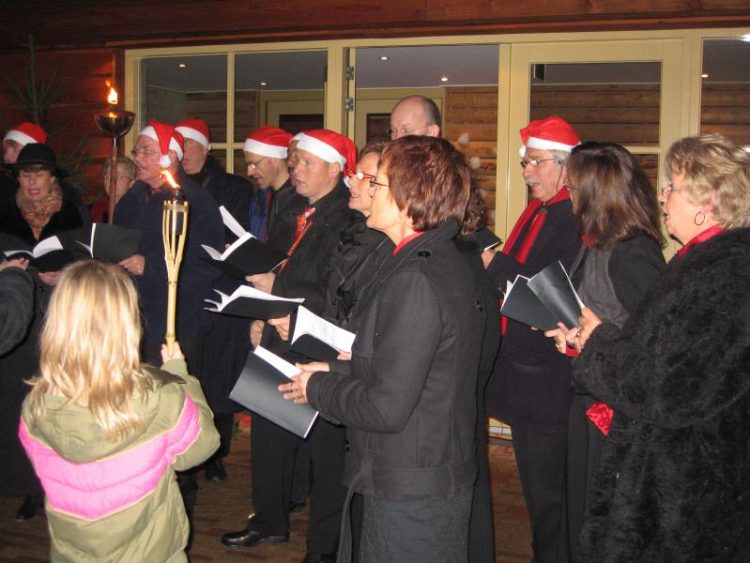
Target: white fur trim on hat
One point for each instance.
(195, 135)
(21, 138)
(164, 161)
(264, 149)
(321, 149)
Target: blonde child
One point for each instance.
(106, 433)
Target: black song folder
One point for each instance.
(257, 390)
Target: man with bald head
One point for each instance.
(414, 115)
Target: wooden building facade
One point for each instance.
(87, 43)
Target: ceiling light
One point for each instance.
(704, 75)
(182, 65)
(383, 58)
(264, 83)
(443, 79)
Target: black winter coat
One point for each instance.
(230, 190)
(282, 217)
(673, 483)
(408, 396)
(141, 209)
(531, 386)
(226, 344)
(358, 257)
(22, 362)
(307, 271)
(16, 306)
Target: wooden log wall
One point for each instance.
(69, 121)
(146, 23)
(470, 123)
(725, 109)
(622, 113)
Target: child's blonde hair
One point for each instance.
(90, 347)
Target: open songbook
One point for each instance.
(112, 243)
(246, 301)
(48, 255)
(543, 300)
(245, 256)
(318, 338)
(257, 390)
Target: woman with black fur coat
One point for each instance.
(673, 482)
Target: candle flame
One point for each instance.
(112, 95)
(170, 179)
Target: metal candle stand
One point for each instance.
(115, 124)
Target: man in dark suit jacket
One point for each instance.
(323, 156)
(531, 388)
(226, 345)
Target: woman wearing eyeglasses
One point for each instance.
(361, 250)
(673, 482)
(618, 261)
(407, 397)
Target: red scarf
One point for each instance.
(536, 212)
(709, 233)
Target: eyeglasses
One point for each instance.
(393, 132)
(534, 162)
(668, 189)
(359, 175)
(135, 153)
(256, 163)
(374, 187)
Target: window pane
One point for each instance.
(189, 86)
(280, 89)
(461, 79)
(725, 99)
(609, 102)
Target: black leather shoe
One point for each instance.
(29, 508)
(319, 558)
(249, 537)
(215, 471)
(296, 507)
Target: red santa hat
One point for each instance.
(25, 133)
(331, 147)
(168, 139)
(195, 129)
(268, 141)
(550, 133)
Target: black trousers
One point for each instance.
(273, 453)
(585, 443)
(541, 466)
(224, 423)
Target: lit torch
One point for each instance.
(113, 123)
(174, 231)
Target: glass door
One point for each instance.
(460, 79)
(628, 92)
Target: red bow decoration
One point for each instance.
(601, 415)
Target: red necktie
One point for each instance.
(303, 225)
